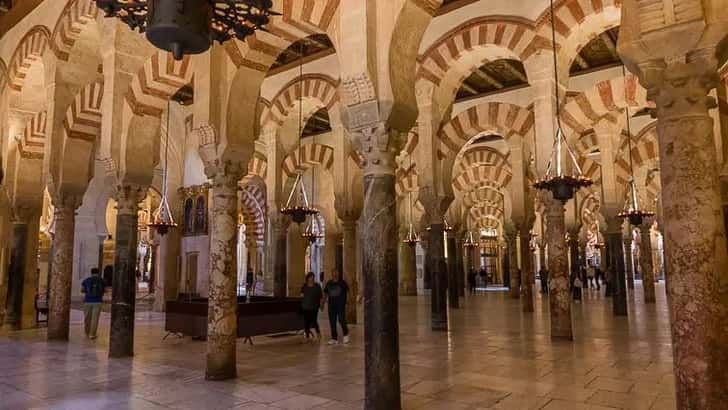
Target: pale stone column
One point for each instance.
(123, 296)
(526, 269)
(559, 295)
(629, 257)
(648, 277)
(407, 270)
(61, 277)
(279, 253)
(615, 264)
(696, 259)
(349, 267)
(222, 309)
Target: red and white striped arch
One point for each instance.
(30, 49)
(157, 81)
(253, 208)
(407, 180)
(644, 152)
(588, 107)
(590, 206)
(31, 144)
(308, 155)
(483, 155)
(83, 117)
(485, 211)
(484, 194)
(75, 17)
(321, 88)
(3, 75)
(482, 175)
(258, 166)
(500, 118)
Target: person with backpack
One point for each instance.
(335, 294)
(93, 293)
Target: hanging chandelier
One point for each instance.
(297, 205)
(411, 238)
(469, 241)
(162, 220)
(190, 26)
(445, 226)
(632, 211)
(312, 233)
(562, 186)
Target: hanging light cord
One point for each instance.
(629, 131)
(556, 65)
(166, 156)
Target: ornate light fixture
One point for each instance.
(632, 211)
(297, 205)
(562, 186)
(162, 219)
(469, 241)
(190, 26)
(411, 238)
(312, 233)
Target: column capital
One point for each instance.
(65, 203)
(379, 146)
(22, 214)
(128, 196)
(219, 166)
(435, 203)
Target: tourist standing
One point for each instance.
(471, 281)
(336, 291)
(310, 305)
(577, 284)
(93, 293)
(544, 276)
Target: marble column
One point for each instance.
(559, 291)
(61, 277)
(123, 295)
(615, 264)
(16, 274)
(460, 266)
(426, 271)
(515, 280)
(526, 269)
(435, 260)
(379, 268)
(648, 276)
(453, 293)
(628, 258)
(349, 267)
(573, 244)
(222, 310)
(279, 233)
(696, 260)
(407, 270)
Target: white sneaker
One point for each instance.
(346, 340)
(333, 342)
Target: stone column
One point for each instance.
(426, 271)
(615, 264)
(222, 305)
(61, 277)
(648, 277)
(453, 293)
(460, 265)
(279, 255)
(574, 252)
(559, 292)
(515, 280)
(435, 260)
(16, 274)
(123, 295)
(407, 270)
(628, 258)
(526, 269)
(349, 267)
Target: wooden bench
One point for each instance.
(262, 316)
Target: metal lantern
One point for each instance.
(470, 242)
(411, 238)
(312, 233)
(190, 26)
(297, 206)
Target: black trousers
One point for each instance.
(338, 313)
(310, 321)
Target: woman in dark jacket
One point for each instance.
(310, 305)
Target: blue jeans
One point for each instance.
(338, 313)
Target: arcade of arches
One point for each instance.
(426, 116)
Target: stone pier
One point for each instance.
(628, 257)
(439, 273)
(279, 235)
(648, 276)
(526, 269)
(615, 264)
(123, 296)
(559, 291)
(453, 292)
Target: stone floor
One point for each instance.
(493, 357)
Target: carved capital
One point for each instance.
(66, 204)
(279, 223)
(128, 197)
(436, 204)
(378, 146)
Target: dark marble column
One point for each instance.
(648, 276)
(426, 271)
(223, 302)
(438, 271)
(559, 291)
(512, 259)
(615, 265)
(61, 277)
(628, 258)
(453, 285)
(526, 269)
(381, 328)
(574, 252)
(279, 254)
(16, 275)
(407, 269)
(123, 295)
(460, 265)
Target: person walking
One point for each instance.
(471, 281)
(576, 288)
(544, 276)
(310, 305)
(93, 293)
(336, 291)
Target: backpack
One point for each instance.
(95, 288)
